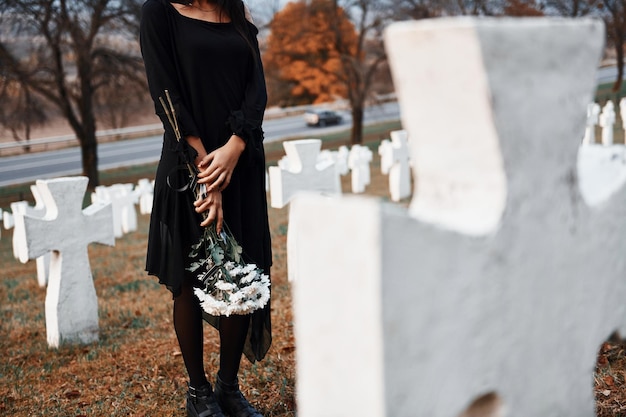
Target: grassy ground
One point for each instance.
(136, 369)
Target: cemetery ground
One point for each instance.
(135, 369)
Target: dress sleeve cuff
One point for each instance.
(251, 134)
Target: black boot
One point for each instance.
(201, 402)
(232, 401)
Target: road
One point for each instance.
(50, 164)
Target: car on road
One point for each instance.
(322, 118)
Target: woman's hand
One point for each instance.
(211, 202)
(216, 169)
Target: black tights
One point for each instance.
(188, 326)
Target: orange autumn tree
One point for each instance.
(302, 52)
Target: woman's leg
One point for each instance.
(233, 332)
(188, 326)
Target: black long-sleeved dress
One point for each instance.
(215, 78)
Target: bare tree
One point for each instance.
(417, 9)
(21, 109)
(615, 19)
(361, 63)
(58, 49)
(571, 8)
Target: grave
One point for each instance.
(300, 173)
(123, 202)
(144, 192)
(359, 160)
(397, 157)
(65, 230)
(499, 284)
(21, 208)
(593, 114)
(18, 208)
(338, 158)
(607, 121)
(385, 153)
(7, 220)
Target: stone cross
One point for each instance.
(65, 231)
(123, 202)
(301, 173)
(622, 113)
(500, 283)
(18, 208)
(601, 172)
(607, 121)
(593, 113)
(359, 160)
(400, 171)
(7, 220)
(338, 158)
(385, 152)
(21, 208)
(144, 192)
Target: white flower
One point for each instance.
(225, 286)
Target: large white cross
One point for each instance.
(66, 230)
(300, 173)
(501, 282)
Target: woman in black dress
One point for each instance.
(205, 54)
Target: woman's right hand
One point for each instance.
(211, 202)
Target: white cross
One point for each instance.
(338, 158)
(593, 114)
(400, 171)
(359, 160)
(607, 121)
(386, 156)
(301, 173)
(21, 208)
(144, 191)
(123, 201)
(66, 230)
(421, 313)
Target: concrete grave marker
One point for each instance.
(359, 160)
(123, 202)
(7, 220)
(301, 173)
(144, 192)
(18, 208)
(500, 283)
(65, 231)
(386, 156)
(21, 208)
(338, 158)
(593, 114)
(607, 121)
(400, 171)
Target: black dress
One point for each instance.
(215, 78)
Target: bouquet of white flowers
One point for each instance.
(228, 285)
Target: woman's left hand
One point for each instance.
(216, 168)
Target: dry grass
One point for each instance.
(135, 369)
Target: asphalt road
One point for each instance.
(50, 164)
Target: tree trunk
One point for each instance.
(86, 110)
(356, 136)
(619, 49)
